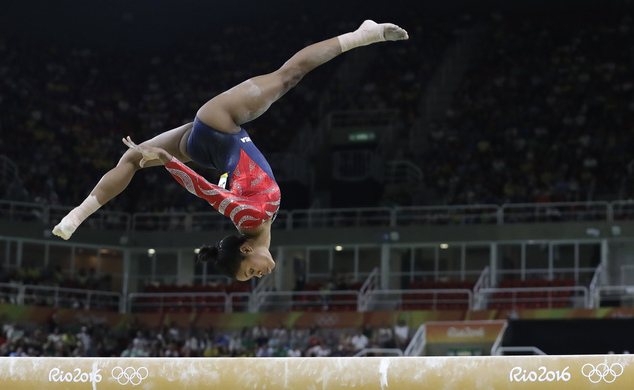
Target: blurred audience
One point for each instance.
(91, 340)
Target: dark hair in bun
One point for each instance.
(225, 255)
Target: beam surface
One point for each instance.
(384, 373)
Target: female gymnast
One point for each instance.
(215, 139)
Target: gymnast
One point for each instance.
(247, 192)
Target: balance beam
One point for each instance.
(384, 373)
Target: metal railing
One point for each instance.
(337, 300)
(215, 302)
(35, 295)
(447, 215)
(498, 340)
(594, 283)
(613, 296)
(416, 345)
(260, 293)
(367, 288)
(343, 217)
(484, 281)
(424, 299)
(348, 300)
(535, 297)
(557, 211)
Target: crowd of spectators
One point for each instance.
(67, 106)
(91, 340)
(544, 112)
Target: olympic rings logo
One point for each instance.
(602, 372)
(129, 375)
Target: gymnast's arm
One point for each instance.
(244, 212)
(239, 209)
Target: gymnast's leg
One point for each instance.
(118, 178)
(250, 99)
(227, 111)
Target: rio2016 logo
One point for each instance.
(77, 375)
(602, 372)
(130, 375)
(541, 375)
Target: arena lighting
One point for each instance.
(151, 252)
(338, 248)
(444, 246)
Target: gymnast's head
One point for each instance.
(237, 258)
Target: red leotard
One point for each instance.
(252, 198)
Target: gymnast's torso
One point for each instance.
(252, 195)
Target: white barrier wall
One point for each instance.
(385, 373)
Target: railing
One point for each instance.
(484, 281)
(554, 212)
(332, 218)
(447, 215)
(417, 344)
(594, 283)
(23, 211)
(424, 299)
(622, 210)
(260, 294)
(367, 288)
(348, 300)
(202, 302)
(345, 218)
(24, 294)
(535, 297)
(614, 296)
(495, 348)
(337, 300)
(188, 222)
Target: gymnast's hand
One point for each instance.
(149, 152)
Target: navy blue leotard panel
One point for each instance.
(215, 149)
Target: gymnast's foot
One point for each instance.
(65, 228)
(387, 31)
(372, 32)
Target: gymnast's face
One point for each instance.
(257, 262)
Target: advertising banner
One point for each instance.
(463, 332)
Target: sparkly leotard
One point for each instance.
(253, 195)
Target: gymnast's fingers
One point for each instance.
(129, 143)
